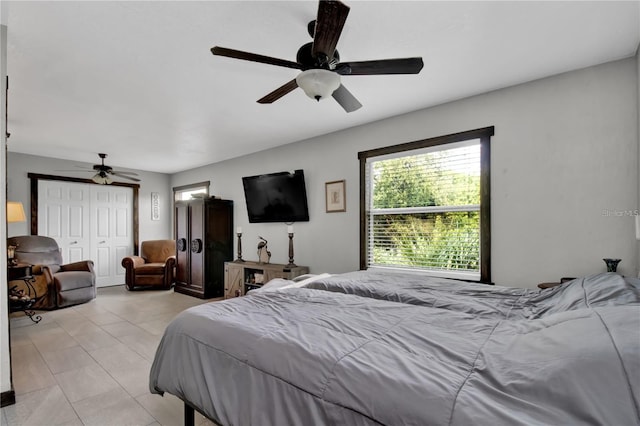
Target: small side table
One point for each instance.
(554, 284)
(22, 271)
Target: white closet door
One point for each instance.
(111, 234)
(89, 222)
(63, 214)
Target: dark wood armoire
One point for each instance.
(204, 241)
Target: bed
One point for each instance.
(369, 348)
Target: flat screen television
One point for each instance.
(276, 197)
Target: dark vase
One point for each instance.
(612, 264)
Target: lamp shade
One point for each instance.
(102, 178)
(318, 83)
(15, 212)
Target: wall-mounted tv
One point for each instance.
(276, 197)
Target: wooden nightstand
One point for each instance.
(19, 271)
(554, 284)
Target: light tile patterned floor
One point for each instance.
(89, 364)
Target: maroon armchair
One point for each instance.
(154, 267)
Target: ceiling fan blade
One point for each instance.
(124, 173)
(238, 54)
(382, 66)
(75, 171)
(279, 92)
(346, 99)
(332, 15)
(124, 176)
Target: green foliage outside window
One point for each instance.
(434, 240)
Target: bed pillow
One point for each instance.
(607, 289)
(633, 282)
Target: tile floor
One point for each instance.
(89, 364)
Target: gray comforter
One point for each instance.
(481, 299)
(304, 356)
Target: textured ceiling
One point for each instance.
(137, 80)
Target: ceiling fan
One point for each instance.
(104, 172)
(320, 61)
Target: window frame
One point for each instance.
(192, 186)
(484, 135)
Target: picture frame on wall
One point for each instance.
(155, 206)
(335, 196)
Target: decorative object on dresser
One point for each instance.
(290, 233)
(239, 234)
(264, 255)
(204, 242)
(612, 264)
(239, 278)
(154, 267)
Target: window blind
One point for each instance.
(423, 208)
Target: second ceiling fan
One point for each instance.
(320, 61)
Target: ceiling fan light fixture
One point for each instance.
(318, 83)
(102, 179)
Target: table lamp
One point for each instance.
(15, 213)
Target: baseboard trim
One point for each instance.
(7, 398)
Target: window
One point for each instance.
(185, 192)
(425, 206)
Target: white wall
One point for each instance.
(5, 359)
(20, 165)
(638, 204)
(560, 157)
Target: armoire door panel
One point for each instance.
(196, 244)
(182, 242)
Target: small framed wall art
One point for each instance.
(155, 206)
(335, 196)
